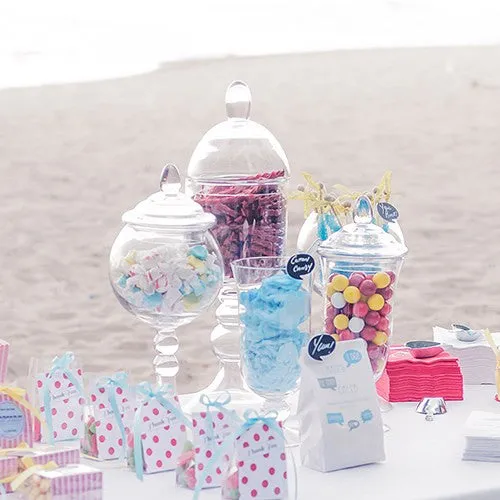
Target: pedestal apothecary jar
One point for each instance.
(360, 267)
(239, 173)
(165, 266)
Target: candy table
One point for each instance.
(423, 462)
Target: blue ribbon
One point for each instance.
(149, 393)
(119, 379)
(219, 403)
(61, 364)
(3, 491)
(251, 418)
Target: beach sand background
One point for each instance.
(74, 157)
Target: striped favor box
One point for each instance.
(67, 483)
(8, 467)
(42, 454)
(16, 421)
(4, 358)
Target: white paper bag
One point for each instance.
(340, 421)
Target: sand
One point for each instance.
(74, 157)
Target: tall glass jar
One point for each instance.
(239, 173)
(360, 266)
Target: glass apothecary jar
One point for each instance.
(239, 173)
(360, 266)
(165, 267)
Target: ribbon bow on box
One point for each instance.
(59, 364)
(161, 394)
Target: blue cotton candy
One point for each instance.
(122, 282)
(153, 300)
(272, 340)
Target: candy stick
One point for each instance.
(496, 351)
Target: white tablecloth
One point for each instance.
(423, 462)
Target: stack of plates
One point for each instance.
(482, 437)
(476, 358)
(409, 379)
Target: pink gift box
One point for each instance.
(8, 467)
(66, 483)
(4, 358)
(16, 421)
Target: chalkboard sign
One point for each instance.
(299, 265)
(387, 211)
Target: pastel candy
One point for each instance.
(336, 337)
(374, 352)
(376, 302)
(356, 279)
(331, 312)
(196, 263)
(360, 309)
(383, 324)
(338, 300)
(330, 290)
(386, 293)
(347, 310)
(380, 338)
(372, 318)
(392, 275)
(382, 280)
(368, 333)
(356, 324)
(329, 328)
(386, 309)
(352, 294)
(199, 251)
(340, 282)
(368, 287)
(346, 335)
(341, 322)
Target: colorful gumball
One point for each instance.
(340, 282)
(372, 318)
(347, 310)
(331, 312)
(387, 293)
(380, 338)
(376, 302)
(356, 279)
(356, 325)
(346, 335)
(360, 309)
(383, 324)
(352, 294)
(368, 333)
(336, 336)
(373, 352)
(338, 300)
(330, 290)
(392, 275)
(386, 310)
(382, 280)
(341, 322)
(329, 328)
(368, 287)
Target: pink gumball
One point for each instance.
(368, 287)
(374, 352)
(356, 279)
(368, 333)
(331, 312)
(383, 324)
(392, 275)
(346, 335)
(386, 310)
(347, 310)
(360, 309)
(332, 276)
(329, 328)
(387, 293)
(372, 318)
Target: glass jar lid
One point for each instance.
(170, 208)
(237, 147)
(362, 238)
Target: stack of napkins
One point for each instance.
(409, 379)
(482, 437)
(476, 358)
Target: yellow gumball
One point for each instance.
(340, 282)
(330, 290)
(341, 322)
(336, 336)
(382, 280)
(380, 338)
(376, 302)
(352, 294)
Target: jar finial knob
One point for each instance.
(238, 100)
(170, 182)
(363, 213)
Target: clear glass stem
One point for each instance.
(165, 362)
